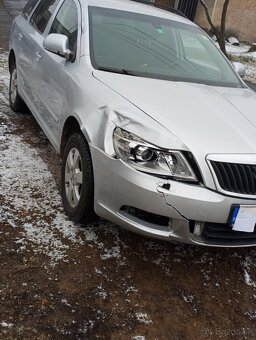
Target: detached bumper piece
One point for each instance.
(222, 234)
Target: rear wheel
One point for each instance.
(16, 102)
(77, 184)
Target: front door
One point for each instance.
(55, 72)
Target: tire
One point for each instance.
(77, 183)
(16, 102)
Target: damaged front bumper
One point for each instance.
(163, 209)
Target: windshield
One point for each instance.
(147, 46)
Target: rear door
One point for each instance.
(19, 43)
(32, 38)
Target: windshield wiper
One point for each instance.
(117, 70)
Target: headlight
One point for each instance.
(150, 159)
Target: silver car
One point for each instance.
(156, 130)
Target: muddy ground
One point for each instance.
(61, 281)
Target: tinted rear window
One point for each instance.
(29, 8)
(43, 14)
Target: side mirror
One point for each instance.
(58, 44)
(240, 69)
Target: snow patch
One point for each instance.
(247, 268)
(100, 291)
(251, 315)
(242, 51)
(188, 298)
(6, 325)
(143, 318)
(30, 191)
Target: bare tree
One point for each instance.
(218, 31)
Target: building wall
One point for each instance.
(241, 17)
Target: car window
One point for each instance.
(29, 8)
(156, 47)
(42, 14)
(66, 23)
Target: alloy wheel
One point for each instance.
(13, 85)
(73, 177)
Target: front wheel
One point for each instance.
(77, 184)
(16, 102)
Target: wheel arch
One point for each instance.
(11, 59)
(71, 126)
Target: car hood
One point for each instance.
(206, 119)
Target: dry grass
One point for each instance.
(241, 58)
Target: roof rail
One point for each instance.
(164, 7)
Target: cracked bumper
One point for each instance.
(118, 185)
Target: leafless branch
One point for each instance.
(224, 15)
(213, 27)
(219, 32)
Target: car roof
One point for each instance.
(136, 7)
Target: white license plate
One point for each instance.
(243, 218)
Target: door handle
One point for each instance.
(20, 36)
(38, 56)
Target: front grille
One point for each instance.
(238, 178)
(222, 234)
